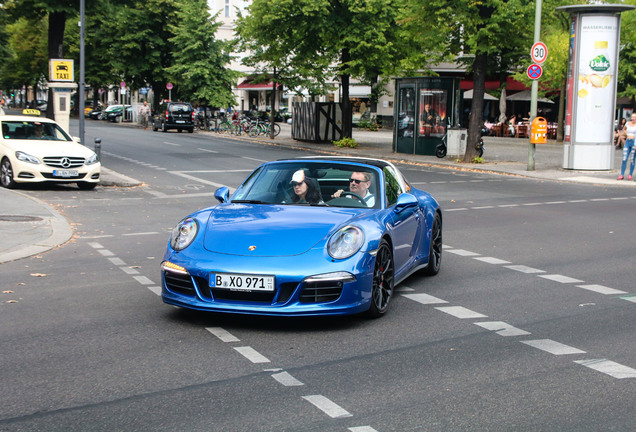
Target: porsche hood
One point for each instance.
(264, 230)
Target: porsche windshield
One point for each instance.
(33, 130)
(311, 183)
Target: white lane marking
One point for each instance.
(330, 408)
(128, 270)
(172, 144)
(560, 278)
(460, 312)
(462, 252)
(207, 150)
(445, 246)
(524, 269)
(555, 202)
(155, 289)
(252, 355)
(508, 205)
(117, 261)
(532, 204)
(456, 209)
(154, 193)
(424, 298)
(362, 429)
(601, 289)
(630, 298)
(402, 288)
(140, 234)
(553, 347)
(255, 160)
(222, 334)
(502, 328)
(491, 260)
(286, 379)
(194, 178)
(95, 245)
(105, 252)
(143, 280)
(98, 236)
(608, 367)
(482, 207)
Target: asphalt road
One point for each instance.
(528, 327)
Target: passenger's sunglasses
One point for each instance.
(294, 184)
(356, 181)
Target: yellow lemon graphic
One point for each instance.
(582, 93)
(606, 80)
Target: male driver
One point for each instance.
(359, 183)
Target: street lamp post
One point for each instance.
(82, 131)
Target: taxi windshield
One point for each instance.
(33, 130)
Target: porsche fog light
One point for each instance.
(346, 242)
(183, 234)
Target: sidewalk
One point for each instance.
(29, 226)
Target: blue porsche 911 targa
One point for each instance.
(303, 237)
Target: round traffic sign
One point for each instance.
(539, 52)
(534, 71)
(169, 86)
(122, 84)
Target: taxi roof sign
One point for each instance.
(61, 70)
(31, 111)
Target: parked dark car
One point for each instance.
(115, 115)
(174, 115)
(95, 113)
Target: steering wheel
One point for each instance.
(353, 195)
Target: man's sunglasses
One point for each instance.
(356, 181)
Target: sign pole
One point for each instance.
(82, 101)
(532, 148)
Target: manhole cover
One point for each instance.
(13, 218)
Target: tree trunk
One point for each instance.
(347, 123)
(561, 115)
(272, 115)
(475, 122)
(57, 21)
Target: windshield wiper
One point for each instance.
(248, 202)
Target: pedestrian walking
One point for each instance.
(629, 152)
(144, 114)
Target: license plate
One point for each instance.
(242, 282)
(65, 173)
(180, 121)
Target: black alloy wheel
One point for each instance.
(435, 249)
(6, 174)
(383, 279)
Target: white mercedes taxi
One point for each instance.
(37, 149)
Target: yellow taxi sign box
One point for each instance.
(539, 131)
(61, 70)
(31, 111)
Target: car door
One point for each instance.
(402, 222)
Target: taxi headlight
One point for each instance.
(92, 160)
(346, 242)
(25, 157)
(184, 233)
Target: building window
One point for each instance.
(227, 8)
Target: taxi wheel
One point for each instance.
(6, 174)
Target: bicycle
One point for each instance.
(262, 127)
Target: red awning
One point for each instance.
(511, 85)
(249, 85)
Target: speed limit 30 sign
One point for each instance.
(539, 52)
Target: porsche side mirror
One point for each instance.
(222, 194)
(404, 201)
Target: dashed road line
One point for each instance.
(330, 408)
(524, 269)
(287, 380)
(531, 204)
(608, 367)
(251, 354)
(222, 334)
(553, 347)
(461, 312)
(362, 429)
(560, 278)
(601, 289)
(424, 298)
(502, 328)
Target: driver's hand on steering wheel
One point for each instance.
(337, 193)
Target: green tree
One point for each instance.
(626, 83)
(491, 36)
(200, 64)
(310, 42)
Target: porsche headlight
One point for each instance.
(25, 157)
(346, 242)
(184, 233)
(92, 160)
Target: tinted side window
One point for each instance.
(391, 186)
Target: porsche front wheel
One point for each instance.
(383, 279)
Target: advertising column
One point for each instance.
(591, 87)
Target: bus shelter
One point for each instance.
(425, 107)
